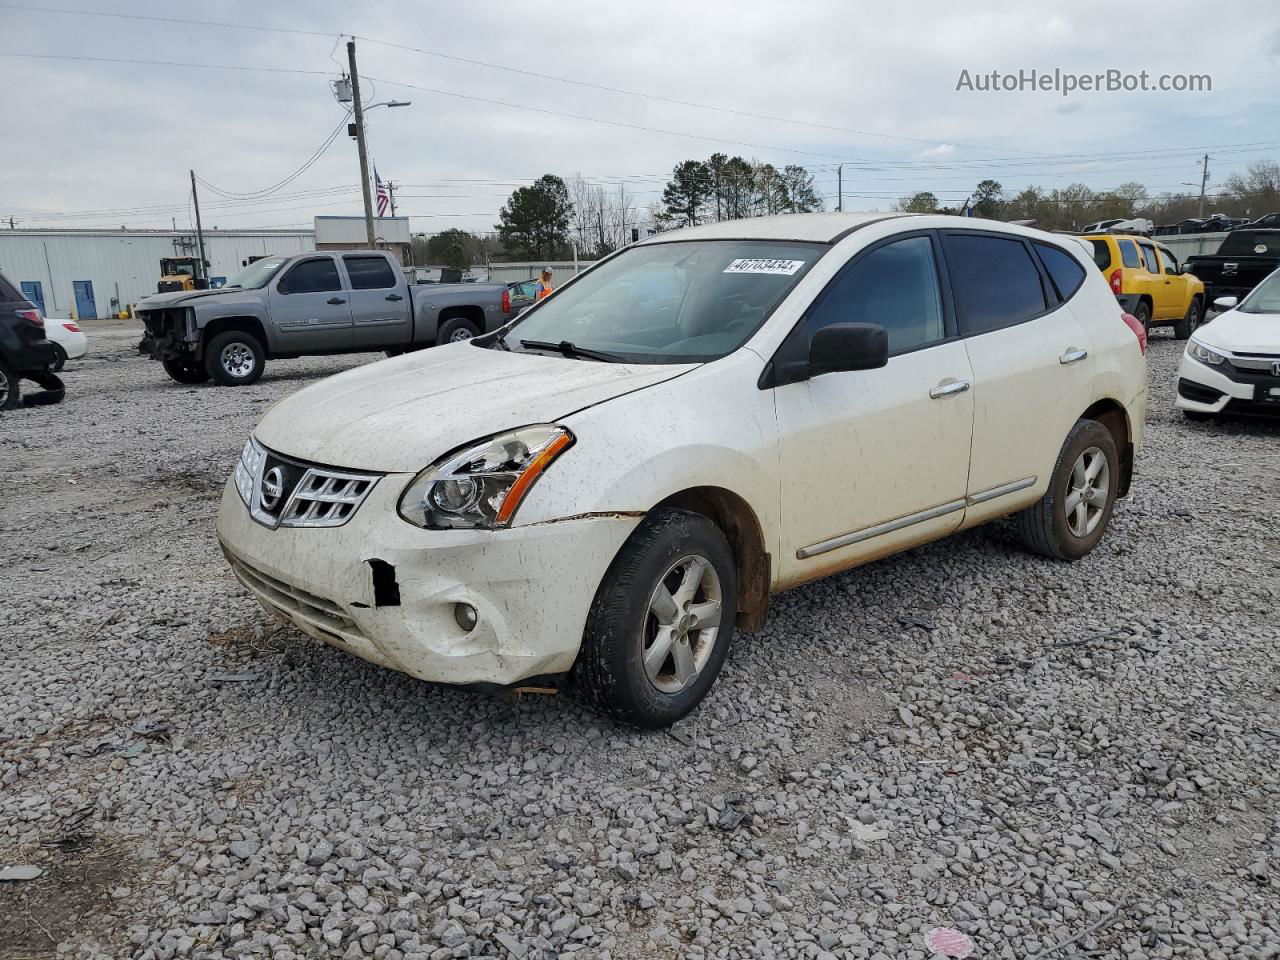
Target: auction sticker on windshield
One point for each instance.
(782, 267)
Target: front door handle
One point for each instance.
(948, 387)
(335, 300)
(394, 296)
(1072, 355)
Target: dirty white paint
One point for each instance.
(813, 460)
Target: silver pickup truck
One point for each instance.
(309, 304)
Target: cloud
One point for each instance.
(1073, 106)
(941, 152)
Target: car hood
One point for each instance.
(1242, 332)
(401, 415)
(158, 301)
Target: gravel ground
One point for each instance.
(964, 736)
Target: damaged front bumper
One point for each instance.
(170, 332)
(386, 591)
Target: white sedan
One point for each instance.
(1232, 365)
(67, 336)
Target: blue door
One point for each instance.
(86, 309)
(32, 290)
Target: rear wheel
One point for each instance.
(1185, 327)
(10, 393)
(456, 329)
(1069, 520)
(1142, 312)
(234, 359)
(59, 358)
(662, 621)
(184, 369)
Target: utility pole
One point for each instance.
(364, 161)
(1204, 179)
(840, 188)
(391, 194)
(195, 199)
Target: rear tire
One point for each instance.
(455, 330)
(10, 391)
(184, 370)
(234, 359)
(1069, 520)
(662, 621)
(1142, 313)
(60, 358)
(1185, 327)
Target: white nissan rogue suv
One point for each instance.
(611, 483)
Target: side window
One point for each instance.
(312, 276)
(996, 282)
(1128, 253)
(525, 290)
(369, 273)
(896, 286)
(1149, 255)
(1101, 253)
(1064, 269)
(1170, 262)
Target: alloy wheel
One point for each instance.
(459, 335)
(1088, 491)
(5, 387)
(681, 624)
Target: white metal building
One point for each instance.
(96, 273)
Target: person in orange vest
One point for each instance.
(543, 288)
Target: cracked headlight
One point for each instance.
(248, 468)
(482, 484)
(1202, 353)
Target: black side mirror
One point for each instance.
(848, 346)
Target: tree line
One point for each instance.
(1252, 194)
(552, 217)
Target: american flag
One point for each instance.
(383, 196)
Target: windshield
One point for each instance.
(1265, 297)
(680, 302)
(258, 273)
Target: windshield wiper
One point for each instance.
(571, 350)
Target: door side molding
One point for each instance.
(889, 526)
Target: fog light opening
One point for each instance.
(466, 616)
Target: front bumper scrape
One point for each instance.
(531, 587)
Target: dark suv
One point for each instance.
(24, 351)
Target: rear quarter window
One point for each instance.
(1101, 253)
(1129, 253)
(1063, 268)
(995, 281)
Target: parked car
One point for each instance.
(1233, 364)
(1243, 259)
(1267, 221)
(25, 352)
(307, 305)
(1149, 283)
(611, 483)
(69, 341)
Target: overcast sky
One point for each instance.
(99, 141)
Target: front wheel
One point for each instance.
(1185, 327)
(234, 359)
(1069, 520)
(184, 370)
(662, 621)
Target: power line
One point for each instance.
(268, 191)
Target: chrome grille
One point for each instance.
(289, 493)
(1254, 361)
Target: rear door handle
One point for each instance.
(335, 300)
(1072, 355)
(394, 296)
(946, 388)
